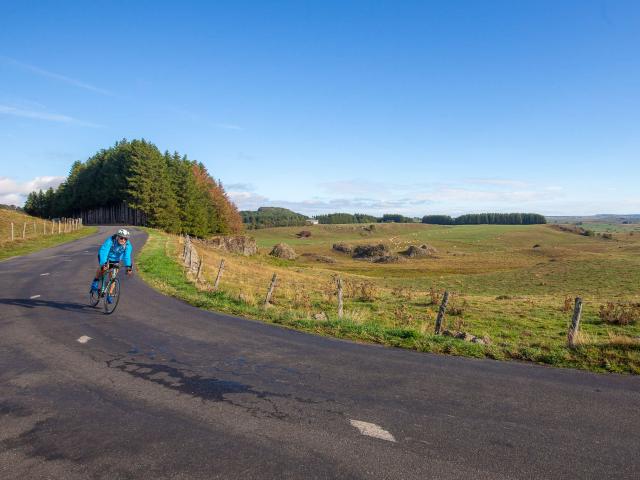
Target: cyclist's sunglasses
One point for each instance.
(122, 238)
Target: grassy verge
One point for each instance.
(158, 265)
(30, 245)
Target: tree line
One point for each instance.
(336, 218)
(487, 218)
(267, 217)
(175, 193)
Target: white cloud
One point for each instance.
(415, 199)
(39, 115)
(56, 76)
(15, 193)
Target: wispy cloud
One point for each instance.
(240, 187)
(415, 199)
(227, 126)
(56, 76)
(39, 115)
(500, 182)
(13, 192)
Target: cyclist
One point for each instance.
(114, 249)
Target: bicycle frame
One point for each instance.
(107, 278)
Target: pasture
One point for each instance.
(510, 285)
(31, 234)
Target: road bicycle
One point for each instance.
(109, 284)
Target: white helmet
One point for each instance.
(123, 232)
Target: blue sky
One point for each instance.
(376, 107)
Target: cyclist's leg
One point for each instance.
(113, 284)
(94, 283)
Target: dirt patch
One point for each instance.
(319, 258)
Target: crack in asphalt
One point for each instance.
(209, 388)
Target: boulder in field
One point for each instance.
(343, 248)
(240, 244)
(282, 250)
(389, 259)
(371, 252)
(421, 251)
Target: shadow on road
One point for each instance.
(36, 303)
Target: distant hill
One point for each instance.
(10, 207)
(266, 217)
(600, 218)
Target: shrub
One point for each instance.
(342, 247)
(568, 304)
(370, 251)
(619, 313)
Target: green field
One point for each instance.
(511, 285)
(37, 234)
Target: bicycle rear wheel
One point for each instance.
(114, 286)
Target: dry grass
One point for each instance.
(32, 227)
(615, 339)
(500, 286)
(393, 292)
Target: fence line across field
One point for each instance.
(31, 230)
(193, 263)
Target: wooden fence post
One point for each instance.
(24, 231)
(219, 276)
(443, 308)
(59, 227)
(340, 305)
(200, 262)
(187, 248)
(270, 291)
(572, 336)
(12, 231)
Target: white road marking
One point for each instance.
(372, 430)
(44, 274)
(34, 296)
(84, 339)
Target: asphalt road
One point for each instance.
(164, 390)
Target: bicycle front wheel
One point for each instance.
(114, 288)
(94, 296)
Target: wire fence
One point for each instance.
(18, 231)
(325, 292)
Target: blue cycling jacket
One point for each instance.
(114, 252)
